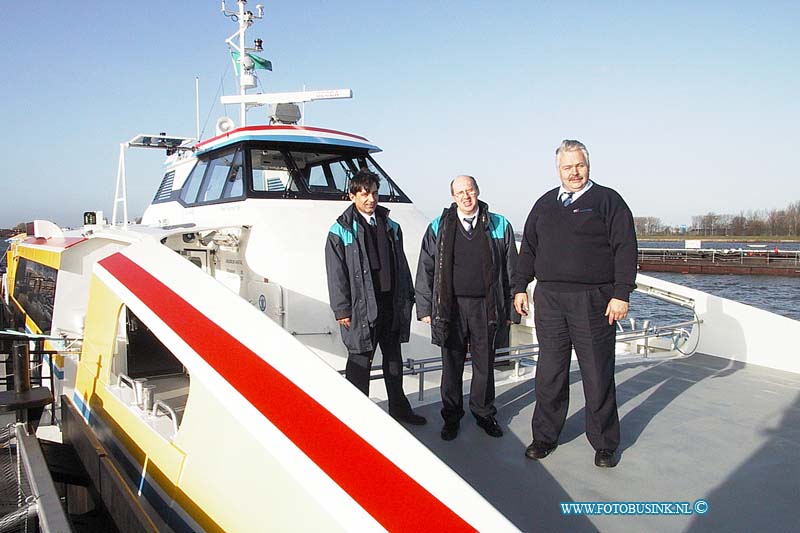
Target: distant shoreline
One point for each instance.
(715, 238)
(718, 238)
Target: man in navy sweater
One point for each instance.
(580, 245)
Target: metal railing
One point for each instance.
(39, 360)
(44, 501)
(36, 494)
(527, 354)
(771, 258)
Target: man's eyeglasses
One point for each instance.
(464, 193)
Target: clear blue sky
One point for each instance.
(686, 107)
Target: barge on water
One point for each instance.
(773, 262)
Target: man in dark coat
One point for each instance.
(580, 245)
(370, 290)
(463, 291)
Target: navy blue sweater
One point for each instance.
(590, 243)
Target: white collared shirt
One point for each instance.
(462, 216)
(368, 218)
(575, 195)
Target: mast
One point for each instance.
(246, 67)
(197, 106)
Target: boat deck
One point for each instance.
(693, 428)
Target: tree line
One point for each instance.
(773, 222)
(10, 232)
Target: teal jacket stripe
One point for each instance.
(395, 227)
(497, 225)
(435, 225)
(347, 236)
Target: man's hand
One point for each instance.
(344, 322)
(616, 310)
(521, 303)
(426, 319)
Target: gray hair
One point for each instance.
(568, 145)
(474, 183)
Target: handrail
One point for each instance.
(170, 411)
(661, 255)
(35, 336)
(127, 379)
(419, 367)
(52, 516)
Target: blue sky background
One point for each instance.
(686, 107)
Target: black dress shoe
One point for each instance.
(450, 430)
(410, 418)
(539, 449)
(490, 426)
(605, 459)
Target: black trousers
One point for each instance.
(564, 320)
(358, 366)
(469, 331)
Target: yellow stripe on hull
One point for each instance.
(38, 255)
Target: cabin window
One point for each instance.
(387, 187)
(192, 185)
(35, 292)
(234, 186)
(215, 179)
(340, 173)
(271, 173)
(327, 175)
(220, 170)
(277, 172)
(317, 178)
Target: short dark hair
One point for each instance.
(364, 179)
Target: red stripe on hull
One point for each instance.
(385, 491)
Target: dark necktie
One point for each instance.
(372, 222)
(566, 198)
(469, 220)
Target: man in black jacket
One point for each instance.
(580, 245)
(370, 290)
(464, 292)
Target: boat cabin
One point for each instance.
(272, 162)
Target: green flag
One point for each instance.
(258, 62)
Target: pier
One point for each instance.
(711, 261)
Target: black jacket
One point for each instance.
(350, 282)
(434, 284)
